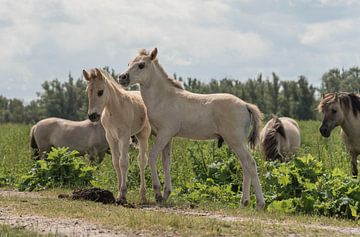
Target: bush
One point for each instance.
(61, 168)
(303, 186)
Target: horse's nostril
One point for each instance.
(124, 76)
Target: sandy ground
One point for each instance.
(78, 227)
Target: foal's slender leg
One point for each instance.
(143, 137)
(115, 156)
(354, 164)
(166, 161)
(248, 163)
(245, 199)
(160, 143)
(124, 164)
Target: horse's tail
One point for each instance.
(255, 116)
(270, 144)
(33, 144)
(278, 126)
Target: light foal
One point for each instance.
(174, 111)
(123, 114)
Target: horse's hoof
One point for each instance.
(244, 203)
(143, 200)
(159, 199)
(166, 195)
(260, 206)
(121, 201)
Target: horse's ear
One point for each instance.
(86, 75)
(322, 95)
(98, 73)
(336, 96)
(274, 116)
(153, 54)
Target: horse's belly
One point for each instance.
(198, 132)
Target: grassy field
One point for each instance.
(193, 161)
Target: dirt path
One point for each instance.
(344, 230)
(78, 227)
(45, 225)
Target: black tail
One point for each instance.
(270, 143)
(33, 144)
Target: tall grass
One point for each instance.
(188, 157)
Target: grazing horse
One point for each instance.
(84, 136)
(343, 109)
(173, 111)
(279, 138)
(123, 114)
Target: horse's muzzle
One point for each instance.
(124, 79)
(325, 132)
(94, 117)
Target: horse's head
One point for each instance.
(139, 69)
(330, 106)
(97, 93)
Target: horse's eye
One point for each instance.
(141, 65)
(100, 92)
(333, 111)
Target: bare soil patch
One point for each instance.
(79, 227)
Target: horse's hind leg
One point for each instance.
(250, 174)
(245, 199)
(354, 164)
(166, 161)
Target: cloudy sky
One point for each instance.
(44, 40)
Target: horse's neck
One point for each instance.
(351, 124)
(157, 90)
(115, 95)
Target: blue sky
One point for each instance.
(44, 40)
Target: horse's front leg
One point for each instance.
(161, 141)
(354, 164)
(166, 161)
(115, 156)
(124, 164)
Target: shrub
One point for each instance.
(303, 186)
(60, 168)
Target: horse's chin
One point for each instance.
(326, 134)
(124, 83)
(95, 120)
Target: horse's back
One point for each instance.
(77, 135)
(292, 132)
(208, 115)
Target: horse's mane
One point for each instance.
(348, 101)
(109, 78)
(270, 143)
(173, 82)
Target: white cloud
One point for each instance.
(318, 33)
(40, 40)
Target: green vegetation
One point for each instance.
(316, 182)
(61, 168)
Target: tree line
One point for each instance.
(293, 98)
